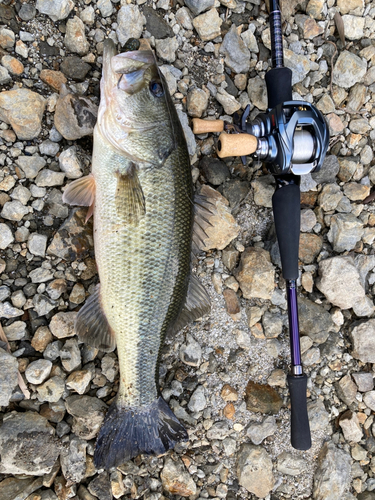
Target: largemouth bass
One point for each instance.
(141, 196)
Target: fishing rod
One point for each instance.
(292, 138)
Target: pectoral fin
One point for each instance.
(130, 200)
(81, 192)
(197, 304)
(92, 326)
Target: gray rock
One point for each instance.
(14, 488)
(69, 163)
(8, 377)
(15, 331)
(346, 389)
(272, 324)
(258, 432)
(109, 367)
(353, 26)
(228, 102)
(100, 486)
(105, 7)
(56, 10)
(4, 76)
(7, 38)
(157, 26)
(308, 220)
(197, 101)
(348, 70)
(40, 275)
(37, 244)
(176, 479)
(350, 427)
(333, 474)
(364, 381)
(257, 91)
(49, 178)
(237, 55)
(62, 324)
(166, 49)
(49, 148)
(30, 436)
(14, 211)
(254, 470)
(199, 6)
(73, 459)
(88, 17)
(315, 321)
(189, 136)
(75, 38)
(330, 197)
(287, 463)
(184, 19)
(298, 63)
(8, 311)
(191, 353)
(52, 390)
(335, 274)
(43, 305)
(318, 416)
(307, 183)
(263, 187)
(369, 400)
(208, 25)
(4, 292)
(215, 171)
(31, 165)
(256, 274)
(73, 67)
(363, 338)
(21, 193)
(88, 415)
(198, 400)
(70, 355)
(38, 371)
(52, 351)
(130, 23)
(27, 12)
(6, 236)
(219, 430)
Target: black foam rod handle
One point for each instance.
(286, 203)
(300, 427)
(279, 86)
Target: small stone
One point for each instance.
(198, 401)
(348, 70)
(15, 331)
(364, 381)
(105, 7)
(75, 38)
(346, 390)
(199, 6)
(197, 101)
(79, 380)
(254, 470)
(333, 474)
(258, 432)
(49, 178)
(350, 427)
(264, 188)
(69, 163)
(219, 430)
(53, 78)
(7, 38)
(88, 17)
(347, 6)
(73, 459)
(228, 102)
(228, 393)
(56, 10)
(27, 12)
(298, 63)
(289, 464)
(229, 411)
(347, 168)
(310, 246)
(101, 487)
(237, 55)
(6, 236)
(73, 67)
(41, 339)
(345, 231)
(175, 478)
(314, 320)
(40, 275)
(369, 400)
(88, 415)
(215, 171)
(78, 294)
(56, 288)
(38, 371)
(30, 436)
(318, 415)
(308, 220)
(17, 489)
(315, 8)
(363, 338)
(256, 274)
(208, 25)
(37, 244)
(13, 65)
(31, 165)
(262, 398)
(191, 353)
(189, 136)
(232, 304)
(23, 110)
(62, 324)
(7, 311)
(272, 324)
(75, 115)
(130, 22)
(52, 390)
(356, 192)
(311, 357)
(109, 367)
(166, 49)
(353, 26)
(21, 49)
(8, 378)
(330, 197)
(70, 355)
(335, 124)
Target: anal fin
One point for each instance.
(130, 200)
(197, 304)
(92, 326)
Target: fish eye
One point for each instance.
(156, 88)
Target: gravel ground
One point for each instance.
(225, 375)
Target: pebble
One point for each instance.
(356, 192)
(364, 381)
(88, 17)
(289, 464)
(53, 78)
(175, 478)
(259, 431)
(197, 101)
(369, 399)
(191, 353)
(73, 459)
(219, 430)
(199, 6)
(27, 12)
(49, 178)
(75, 38)
(346, 390)
(348, 70)
(79, 381)
(130, 21)
(363, 338)
(6, 236)
(232, 304)
(7, 311)
(23, 110)
(37, 244)
(166, 49)
(75, 116)
(62, 324)
(263, 187)
(38, 371)
(31, 165)
(215, 171)
(272, 324)
(353, 26)
(7, 38)
(88, 415)
(13, 65)
(262, 398)
(256, 88)
(228, 102)
(70, 355)
(69, 163)
(318, 415)
(41, 339)
(100, 486)
(208, 25)
(237, 55)
(157, 26)
(16, 331)
(314, 320)
(8, 378)
(56, 10)
(189, 136)
(30, 436)
(73, 67)
(333, 474)
(40, 275)
(254, 470)
(51, 390)
(4, 76)
(14, 488)
(256, 274)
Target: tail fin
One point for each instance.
(127, 432)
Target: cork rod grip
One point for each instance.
(236, 145)
(205, 126)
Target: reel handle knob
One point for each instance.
(236, 145)
(206, 126)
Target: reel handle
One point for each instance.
(206, 126)
(236, 145)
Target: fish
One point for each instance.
(146, 225)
